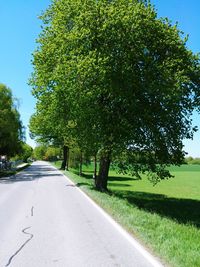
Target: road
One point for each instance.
(45, 220)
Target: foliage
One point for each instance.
(50, 125)
(25, 153)
(45, 152)
(39, 152)
(191, 160)
(75, 158)
(11, 129)
(122, 80)
(52, 153)
(188, 159)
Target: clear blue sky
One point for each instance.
(20, 26)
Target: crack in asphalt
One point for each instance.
(24, 231)
(32, 211)
(22, 246)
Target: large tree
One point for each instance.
(128, 77)
(49, 124)
(11, 130)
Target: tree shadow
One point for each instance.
(89, 176)
(119, 185)
(122, 178)
(84, 175)
(184, 211)
(31, 173)
(77, 185)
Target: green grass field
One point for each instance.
(165, 217)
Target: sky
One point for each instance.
(20, 27)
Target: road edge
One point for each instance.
(155, 262)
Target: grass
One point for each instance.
(165, 217)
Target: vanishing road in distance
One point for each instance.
(46, 221)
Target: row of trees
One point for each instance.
(11, 129)
(112, 79)
(25, 153)
(44, 152)
(50, 153)
(191, 160)
(12, 133)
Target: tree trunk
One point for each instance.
(102, 178)
(81, 164)
(65, 158)
(95, 167)
(67, 161)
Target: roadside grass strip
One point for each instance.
(11, 172)
(165, 218)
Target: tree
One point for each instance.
(11, 129)
(52, 153)
(39, 152)
(127, 77)
(49, 125)
(26, 152)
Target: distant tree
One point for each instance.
(52, 153)
(188, 160)
(127, 79)
(49, 125)
(11, 129)
(26, 152)
(39, 152)
(195, 161)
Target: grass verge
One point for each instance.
(12, 172)
(159, 217)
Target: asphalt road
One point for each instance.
(45, 220)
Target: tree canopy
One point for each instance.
(125, 80)
(11, 130)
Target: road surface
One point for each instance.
(45, 220)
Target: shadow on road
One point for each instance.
(33, 172)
